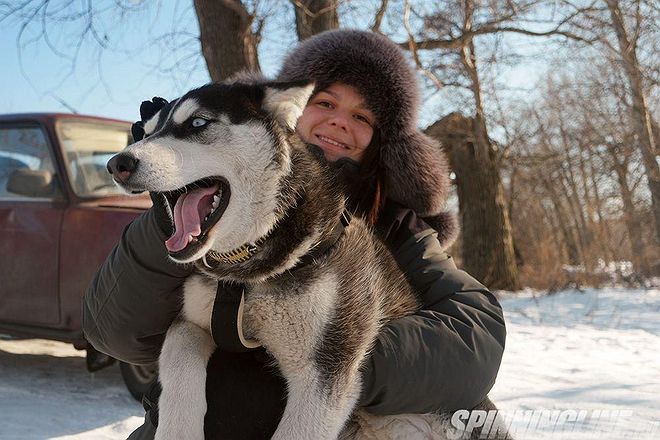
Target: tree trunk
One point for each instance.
(603, 226)
(574, 209)
(315, 16)
(555, 230)
(556, 180)
(640, 114)
(632, 221)
(228, 43)
(488, 248)
(573, 249)
(487, 251)
(575, 201)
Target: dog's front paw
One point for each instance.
(171, 431)
(180, 415)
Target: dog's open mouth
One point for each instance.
(195, 208)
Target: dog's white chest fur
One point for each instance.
(198, 298)
(290, 324)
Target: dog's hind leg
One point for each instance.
(182, 372)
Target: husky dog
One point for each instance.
(251, 203)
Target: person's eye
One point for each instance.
(363, 119)
(199, 122)
(324, 104)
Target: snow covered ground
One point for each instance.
(593, 351)
(47, 393)
(596, 350)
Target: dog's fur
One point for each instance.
(318, 320)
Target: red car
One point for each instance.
(60, 215)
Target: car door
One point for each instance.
(31, 209)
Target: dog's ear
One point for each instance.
(286, 101)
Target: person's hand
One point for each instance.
(161, 208)
(147, 111)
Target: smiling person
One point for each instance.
(362, 118)
(338, 121)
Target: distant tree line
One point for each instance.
(547, 189)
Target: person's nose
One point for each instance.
(340, 121)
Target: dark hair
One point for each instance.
(366, 194)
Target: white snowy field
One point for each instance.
(597, 350)
(47, 393)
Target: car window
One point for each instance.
(27, 169)
(88, 145)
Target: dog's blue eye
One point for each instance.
(199, 122)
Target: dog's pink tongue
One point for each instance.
(190, 209)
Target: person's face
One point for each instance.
(338, 121)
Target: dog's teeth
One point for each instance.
(216, 202)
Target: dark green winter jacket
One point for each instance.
(444, 357)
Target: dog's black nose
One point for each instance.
(121, 166)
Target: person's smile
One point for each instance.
(338, 121)
(332, 142)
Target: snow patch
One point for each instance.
(598, 349)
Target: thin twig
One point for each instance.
(379, 16)
(412, 47)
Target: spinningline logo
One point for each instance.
(546, 423)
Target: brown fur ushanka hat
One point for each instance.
(415, 167)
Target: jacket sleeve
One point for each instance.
(134, 296)
(446, 356)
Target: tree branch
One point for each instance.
(413, 48)
(379, 17)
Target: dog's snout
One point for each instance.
(121, 166)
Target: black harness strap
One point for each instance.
(226, 319)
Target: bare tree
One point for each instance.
(604, 118)
(627, 50)
(452, 29)
(619, 27)
(576, 146)
(315, 16)
(488, 248)
(228, 36)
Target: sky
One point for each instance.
(113, 82)
(130, 70)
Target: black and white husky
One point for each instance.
(250, 204)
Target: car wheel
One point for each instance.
(138, 378)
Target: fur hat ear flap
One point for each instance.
(446, 224)
(286, 103)
(416, 171)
